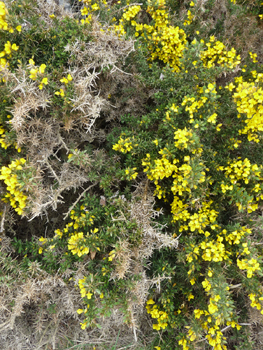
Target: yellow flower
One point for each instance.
(212, 308)
(150, 301)
(44, 81)
(64, 80)
(83, 325)
(42, 68)
(61, 93)
(95, 7)
(33, 74)
(15, 47)
(18, 28)
(84, 11)
(89, 295)
(190, 296)
(156, 326)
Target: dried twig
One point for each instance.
(79, 197)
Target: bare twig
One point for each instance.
(53, 172)
(3, 220)
(82, 194)
(236, 286)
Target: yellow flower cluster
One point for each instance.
(214, 337)
(131, 173)
(255, 301)
(112, 255)
(248, 98)
(131, 12)
(43, 241)
(4, 142)
(60, 93)
(196, 105)
(200, 220)
(35, 71)
(162, 167)
(213, 333)
(83, 290)
(251, 266)
(184, 180)
(184, 343)
(253, 56)
(161, 316)
(241, 170)
(8, 49)
(236, 236)
(183, 138)
(87, 11)
(217, 54)
(44, 81)
(66, 80)
(165, 42)
(87, 291)
(124, 145)
(193, 105)
(7, 53)
(77, 243)
(16, 197)
(119, 29)
(181, 183)
(3, 13)
(77, 221)
(190, 18)
(214, 250)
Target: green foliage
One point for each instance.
(158, 162)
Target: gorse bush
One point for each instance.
(138, 130)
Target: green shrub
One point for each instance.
(149, 127)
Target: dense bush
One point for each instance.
(135, 130)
